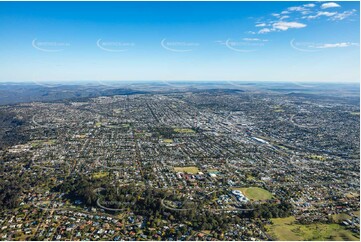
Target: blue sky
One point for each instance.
(238, 41)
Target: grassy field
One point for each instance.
(338, 218)
(278, 110)
(98, 175)
(179, 130)
(255, 193)
(37, 143)
(352, 194)
(168, 141)
(287, 229)
(317, 157)
(50, 142)
(187, 169)
(80, 136)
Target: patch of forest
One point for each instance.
(146, 201)
(11, 129)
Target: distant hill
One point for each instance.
(20, 93)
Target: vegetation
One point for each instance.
(13, 186)
(79, 188)
(11, 130)
(147, 201)
(98, 175)
(256, 193)
(338, 218)
(289, 229)
(317, 157)
(167, 140)
(37, 143)
(278, 110)
(181, 130)
(272, 210)
(187, 169)
(165, 132)
(9, 194)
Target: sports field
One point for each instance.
(255, 193)
(187, 169)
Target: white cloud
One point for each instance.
(286, 20)
(343, 15)
(284, 17)
(282, 26)
(328, 14)
(330, 5)
(250, 32)
(336, 45)
(305, 12)
(255, 39)
(310, 5)
(297, 8)
(251, 39)
(288, 25)
(264, 30)
(261, 25)
(319, 14)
